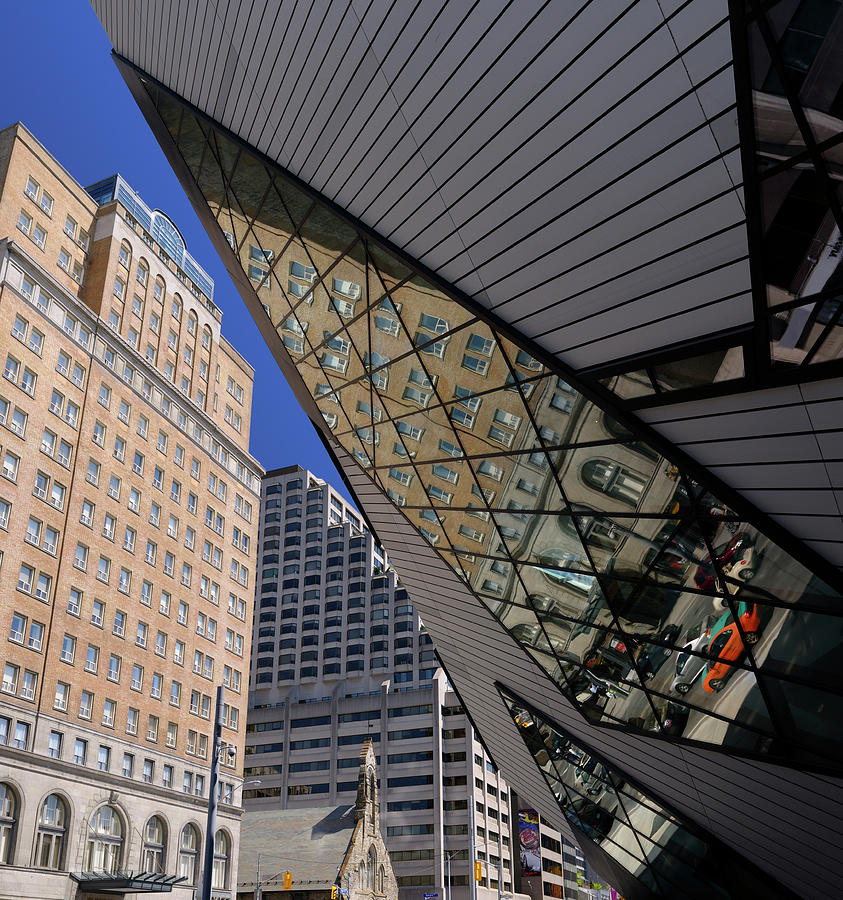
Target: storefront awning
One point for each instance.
(121, 882)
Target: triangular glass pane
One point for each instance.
(475, 535)
(619, 478)
(540, 539)
(746, 558)
(706, 368)
(629, 385)
(327, 236)
(249, 183)
(519, 360)
(275, 302)
(294, 204)
(402, 485)
(528, 484)
(320, 380)
(794, 205)
(427, 435)
(386, 272)
(293, 334)
(273, 223)
(174, 116)
(290, 270)
(403, 384)
(225, 152)
(817, 715)
(231, 219)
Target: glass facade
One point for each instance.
(791, 105)
(645, 598)
(666, 855)
(797, 104)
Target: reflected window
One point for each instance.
(614, 480)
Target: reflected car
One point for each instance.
(653, 657)
(737, 559)
(727, 645)
(674, 718)
(589, 683)
(688, 666)
(593, 819)
(591, 774)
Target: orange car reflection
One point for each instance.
(727, 644)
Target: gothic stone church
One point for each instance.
(320, 847)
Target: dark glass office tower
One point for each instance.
(558, 289)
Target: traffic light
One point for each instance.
(333, 892)
(288, 880)
(478, 871)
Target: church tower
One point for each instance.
(367, 807)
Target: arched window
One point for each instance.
(597, 531)
(614, 480)
(8, 820)
(52, 826)
(188, 853)
(142, 273)
(381, 879)
(125, 254)
(192, 322)
(105, 841)
(159, 289)
(222, 853)
(176, 307)
(154, 845)
(371, 868)
(206, 338)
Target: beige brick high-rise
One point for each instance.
(128, 521)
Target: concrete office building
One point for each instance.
(559, 286)
(128, 509)
(340, 656)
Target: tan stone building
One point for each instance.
(128, 522)
(336, 850)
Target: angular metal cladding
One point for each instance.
(569, 529)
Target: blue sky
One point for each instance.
(61, 83)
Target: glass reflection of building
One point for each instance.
(653, 606)
(589, 546)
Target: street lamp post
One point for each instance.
(213, 800)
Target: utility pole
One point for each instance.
(472, 891)
(258, 891)
(211, 826)
(500, 870)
